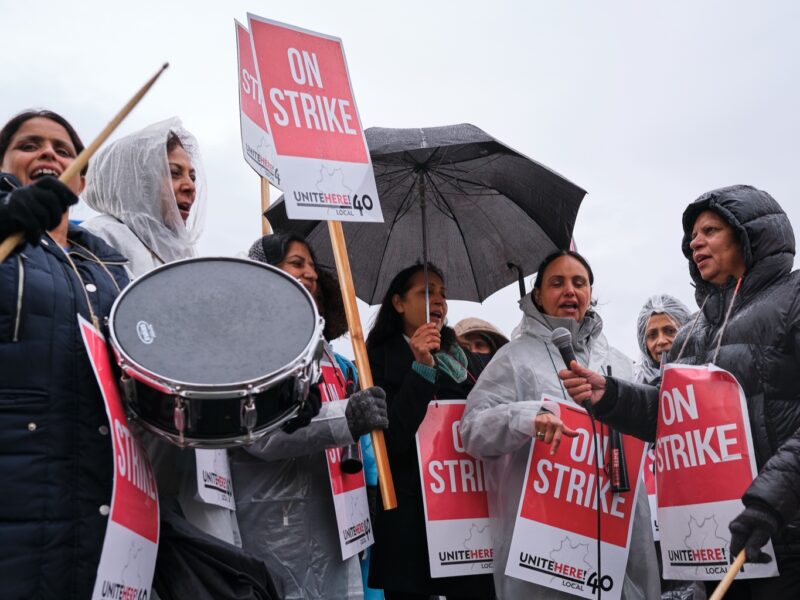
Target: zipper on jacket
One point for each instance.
(20, 288)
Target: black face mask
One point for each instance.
(483, 359)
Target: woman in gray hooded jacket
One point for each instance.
(504, 412)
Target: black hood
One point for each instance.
(760, 224)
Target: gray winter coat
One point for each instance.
(285, 508)
(498, 425)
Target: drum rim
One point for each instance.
(211, 390)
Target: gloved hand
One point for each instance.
(308, 411)
(366, 410)
(751, 530)
(35, 208)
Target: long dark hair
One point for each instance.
(389, 322)
(10, 129)
(272, 249)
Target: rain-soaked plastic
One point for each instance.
(130, 181)
(647, 369)
(498, 425)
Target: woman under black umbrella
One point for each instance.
(415, 361)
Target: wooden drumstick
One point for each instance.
(729, 577)
(362, 362)
(8, 245)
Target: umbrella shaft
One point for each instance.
(421, 190)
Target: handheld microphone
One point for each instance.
(562, 339)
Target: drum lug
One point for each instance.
(179, 418)
(249, 416)
(128, 385)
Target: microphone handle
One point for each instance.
(568, 355)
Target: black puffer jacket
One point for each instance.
(55, 449)
(760, 346)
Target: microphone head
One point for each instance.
(561, 337)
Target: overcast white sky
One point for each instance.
(646, 105)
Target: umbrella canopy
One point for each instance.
(491, 213)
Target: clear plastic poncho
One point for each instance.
(648, 370)
(130, 180)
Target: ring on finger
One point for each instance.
(540, 435)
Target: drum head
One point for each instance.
(214, 321)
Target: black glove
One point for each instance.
(366, 410)
(308, 411)
(751, 530)
(35, 208)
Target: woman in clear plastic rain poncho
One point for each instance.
(150, 188)
(659, 321)
(504, 413)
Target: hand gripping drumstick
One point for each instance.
(77, 165)
(729, 577)
(362, 362)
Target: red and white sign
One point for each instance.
(257, 143)
(128, 559)
(555, 537)
(349, 489)
(454, 495)
(309, 106)
(704, 463)
(649, 474)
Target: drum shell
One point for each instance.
(230, 413)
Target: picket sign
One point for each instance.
(128, 559)
(257, 143)
(555, 535)
(349, 489)
(309, 108)
(704, 463)
(454, 489)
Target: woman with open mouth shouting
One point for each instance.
(56, 459)
(506, 412)
(150, 188)
(415, 362)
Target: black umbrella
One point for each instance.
(483, 213)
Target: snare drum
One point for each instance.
(216, 352)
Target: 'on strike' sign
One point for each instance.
(704, 463)
(309, 107)
(555, 534)
(454, 488)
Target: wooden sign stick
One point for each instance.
(82, 159)
(729, 577)
(265, 227)
(360, 351)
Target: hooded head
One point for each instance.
(131, 179)
(675, 312)
(762, 230)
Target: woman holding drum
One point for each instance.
(56, 461)
(150, 190)
(740, 247)
(415, 361)
(281, 482)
